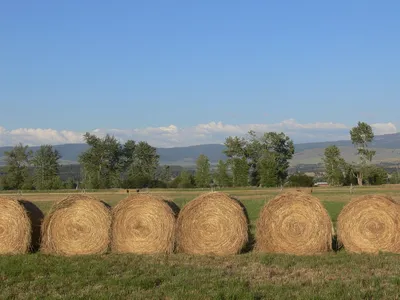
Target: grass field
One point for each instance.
(247, 276)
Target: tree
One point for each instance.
(361, 135)
(349, 171)
(202, 175)
(375, 175)
(334, 165)
(184, 180)
(70, 183)
(221, 175)
(240, 172)
(395, 178)
(101, 163)
(300, 180)
(46, 171)
(236, 147)
(283, 148)
(267, 169)
(251, 149)
(17, 168)
(140, 163)
(165, 174)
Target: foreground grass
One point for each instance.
(178, 276)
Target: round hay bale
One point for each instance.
(77, 225)
(19, 226)
(213, 223)
(294, 223)
(143, 224)
(370, 224)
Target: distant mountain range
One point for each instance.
(387, 148)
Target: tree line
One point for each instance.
(338, 172)
(251, 161)
(107, 163)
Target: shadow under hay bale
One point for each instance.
(294, 223)
(77, 225)
(144, 224)
(213, 223)
(370, 224)
(20, 222)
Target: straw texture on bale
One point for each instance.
(294, 223)
(144, 224)
(19, 226)
(370, 224)
(77, 225)
(213, 223)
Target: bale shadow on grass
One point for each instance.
(249, 246)
(336, 244)
(36, 218)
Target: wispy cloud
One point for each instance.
(384, 128)
(170, 136)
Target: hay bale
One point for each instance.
(370, 224)
(294, 223)
(213, 223)
(144, 224)
(77, 225)
(19, 226)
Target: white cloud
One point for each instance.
(384, 128)
(32, 136)
(171, 135)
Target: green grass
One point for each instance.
(335, 275)
(333, 209)
(178, 276)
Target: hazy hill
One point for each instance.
(306, 153)
(390, 141)
(170, 156)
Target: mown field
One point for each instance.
(333, 275)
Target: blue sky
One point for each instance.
(143, 66)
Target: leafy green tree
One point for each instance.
(186, 180)
(240, 172)
(251, 149)
(221, 175)
(375, 175)
(361, 136)
(300, 180)
(70, 184)
(283, 148)
(237, 151)
(140, 163)
(254, 151)
(2, 180)
(395, 178)
(267, 169)
(57, 183)
(236, 147)
(334, 165)
(17, 168)
(165, 174)
(202, 175)
(101, 163)
(349, 177)
(46, 168)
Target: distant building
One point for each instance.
(321, 183)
